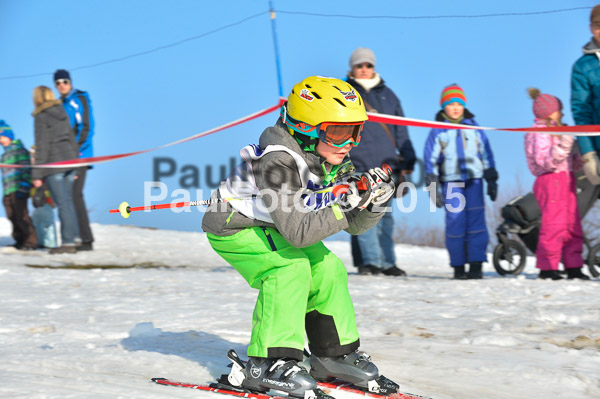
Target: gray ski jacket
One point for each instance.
(272, 172)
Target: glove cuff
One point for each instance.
(589, 156)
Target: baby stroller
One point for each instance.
(522, 217)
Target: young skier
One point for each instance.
(273, 239)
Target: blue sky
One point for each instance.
(145, 101)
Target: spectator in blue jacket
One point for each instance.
(457, 160)
(373, 251)
(78, 105)
(585, 98)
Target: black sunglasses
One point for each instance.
(63, 81)
(359, 66)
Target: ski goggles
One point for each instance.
(336, 134)
(340, 134)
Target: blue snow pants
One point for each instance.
(466, 232)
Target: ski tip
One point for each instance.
(124, 210)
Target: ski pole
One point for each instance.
(125, 210)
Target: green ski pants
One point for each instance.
(301, 290)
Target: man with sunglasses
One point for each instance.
(78, 105)
(298, 187)
(373, 251)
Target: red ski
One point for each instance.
(328, 387)
(214, 388)
(347, 387)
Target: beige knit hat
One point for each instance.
(360, 55)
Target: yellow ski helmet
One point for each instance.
(317, 107)
(319, 99)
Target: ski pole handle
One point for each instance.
(362, 184)
(387, 169)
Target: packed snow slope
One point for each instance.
(151, 303)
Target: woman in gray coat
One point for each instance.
(55, 141)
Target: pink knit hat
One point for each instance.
(544, 104)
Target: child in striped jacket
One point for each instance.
(16, 183)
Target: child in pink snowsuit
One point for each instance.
(550, 158)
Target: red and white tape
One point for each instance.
(581, 130)
(75, 163)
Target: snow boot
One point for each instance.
(368, 269)
(475, 271)
(64, 249)
(459, 273)
(573, 273)
(394, 271)
(550, 274)
(355, 367)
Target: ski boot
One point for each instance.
(282, 376)
(356, 368)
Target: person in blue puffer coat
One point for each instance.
(78, 105)
(457, 161)
(585, 98)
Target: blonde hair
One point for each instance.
(42, 94)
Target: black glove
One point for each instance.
(492, 190)
(39, 197)
(491, 176)
(439, 197)
(431, 178)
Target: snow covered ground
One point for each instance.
(104, 332)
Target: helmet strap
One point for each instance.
(329, 176)
(307, 143)
(283, 113)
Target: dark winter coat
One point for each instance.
(376, 147)
(585, 94)
(54, 138)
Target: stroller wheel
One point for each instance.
(593, 260)
(510, 257)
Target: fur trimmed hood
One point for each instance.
(47, 105)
